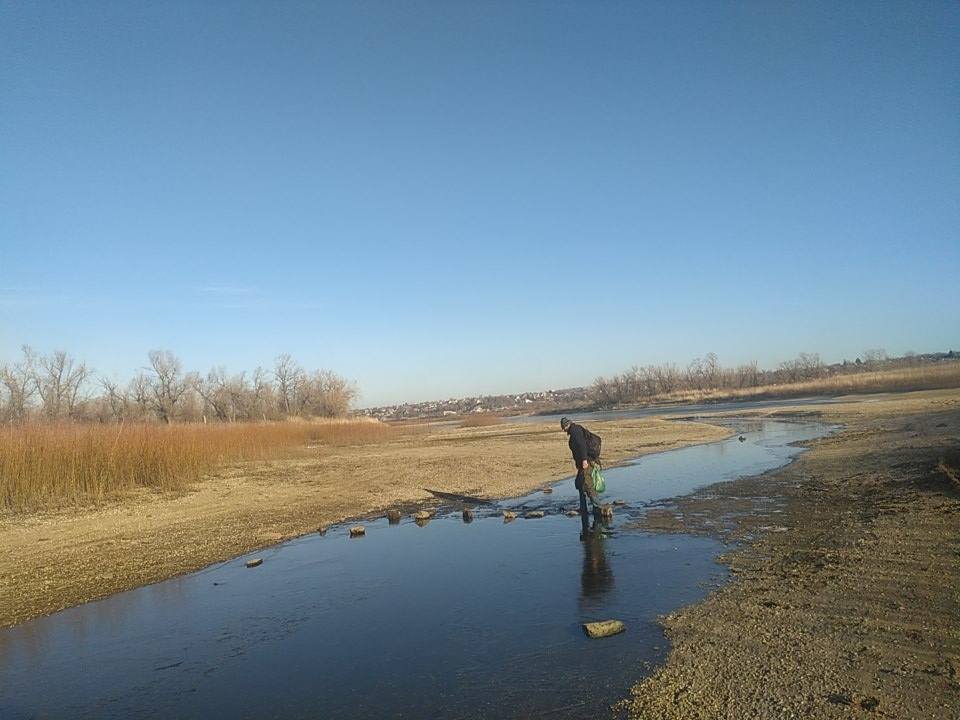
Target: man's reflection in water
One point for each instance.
(597, 576)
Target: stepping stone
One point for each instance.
(508, 515)
(572, 513)
(533, 514)
(547, 491)
(619, 502)
(254, 562)
(393, 516)
(604, 628)
(422, 515)
(467, 515)
(357, 531)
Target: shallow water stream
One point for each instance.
(451, 619)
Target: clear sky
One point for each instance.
(448, 198)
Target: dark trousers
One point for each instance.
(584, 484)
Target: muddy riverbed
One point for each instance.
(446, 618)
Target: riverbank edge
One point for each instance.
(735, 653)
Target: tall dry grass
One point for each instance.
(932, 377)
(49, 465)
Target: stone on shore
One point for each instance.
(547, 490)
(357, 531)
(604, 628)
(254, 562)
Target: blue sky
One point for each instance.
(447, 198)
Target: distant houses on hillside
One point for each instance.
(524, 403)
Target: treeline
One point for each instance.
(707, 374)
(59, 387)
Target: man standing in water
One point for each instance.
(584, 482)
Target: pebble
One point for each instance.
(357, 531)
(254, 562)
(619, 502)
(572, 513)
(547, 491)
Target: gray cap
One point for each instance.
(564, 423)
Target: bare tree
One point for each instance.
(874, 356)
(59, 379)
(168, 385)
(117, 399)
(18, 381)
(325, 394)
(288, 376)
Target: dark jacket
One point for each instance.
(578, 444)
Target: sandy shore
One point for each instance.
(846, 598)
(55, 560)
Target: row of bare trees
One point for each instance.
(57, 386)
(706, 373)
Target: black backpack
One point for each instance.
(593, 444)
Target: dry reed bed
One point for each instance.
(936, 377)
(49, 465)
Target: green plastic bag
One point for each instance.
(599, 484)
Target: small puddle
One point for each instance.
(452, 619)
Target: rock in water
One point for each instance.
(254, 562)
(742, 438)
(421, 515)
(604, 628)
(508, 515)
(393, 516)
(572, 513)
(533, 514)
(467, 515)
(547, 490)
(357, 531)
(619, 502)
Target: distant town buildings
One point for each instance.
(524, 403)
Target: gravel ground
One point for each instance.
(846, 598)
